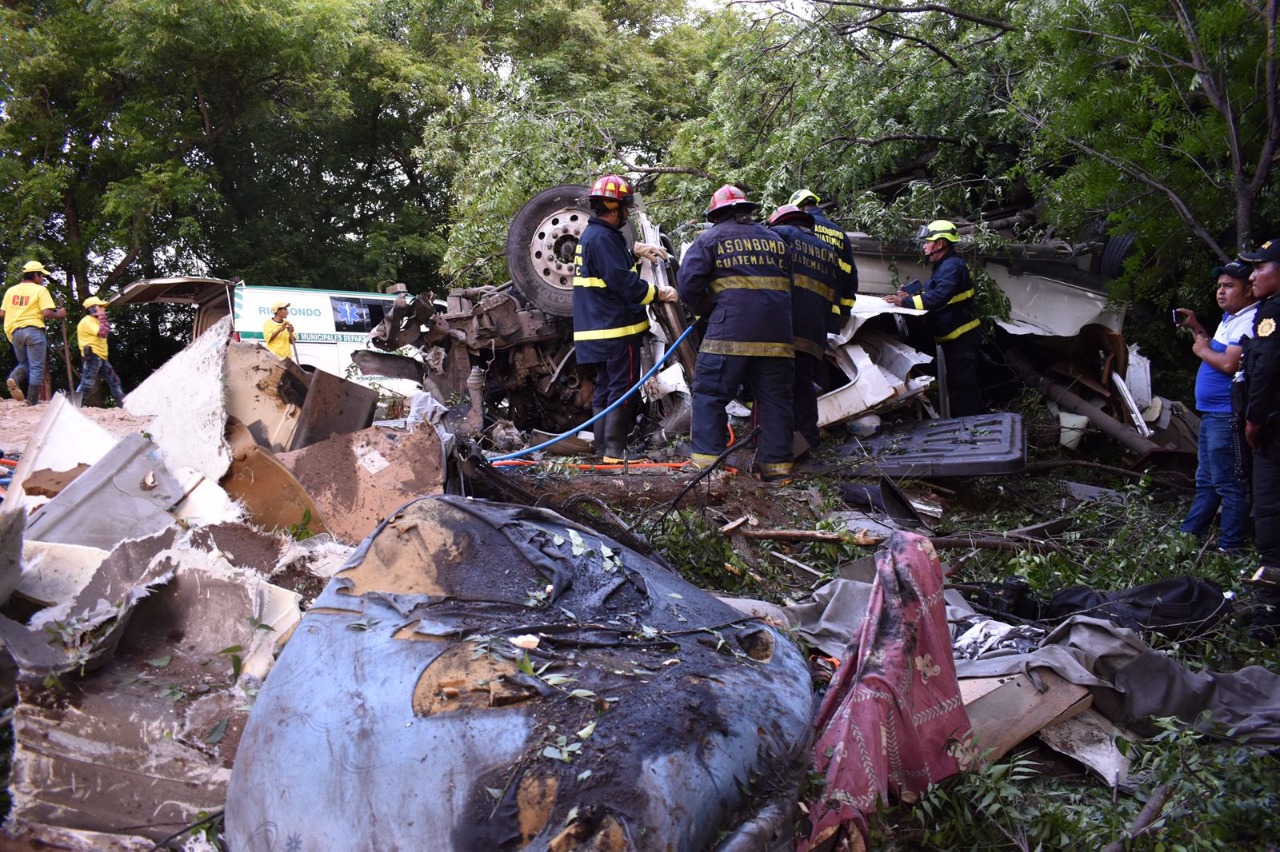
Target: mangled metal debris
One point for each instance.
(509, 678)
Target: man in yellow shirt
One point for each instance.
(25, 306)
(277, 332)
(91, 340)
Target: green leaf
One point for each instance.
(160, 662)
(219, 731)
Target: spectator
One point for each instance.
(1220, 472)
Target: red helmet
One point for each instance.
(613, 188)
(729, 196)
(790, 213)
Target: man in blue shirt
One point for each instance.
(1220, 473)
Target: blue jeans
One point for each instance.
(95, 368)
(29, 348)
(1219, 482)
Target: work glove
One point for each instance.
(667, 294)
(651, 252)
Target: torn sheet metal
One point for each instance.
(877, 369)
(1051, 306)
(359, 479)
(286, 407)
(143, 746)
(12, 522)
(892, 720)
(265, 393)
(79, 633)
(511, 680)
(273, 498)
(126, 495)
(53, 573)
(64, 439)
(186, 398)
(333, 406)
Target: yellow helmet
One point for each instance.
(940, 229)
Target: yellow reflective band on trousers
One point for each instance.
(702, 461)
(742, 347)
(969, 326)
(750, 282)
(609, 333)
(804, 282)
(777, 468)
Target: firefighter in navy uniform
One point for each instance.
(834, 236)
(736, 274)
(816, 278)
(1262, 424)
(609, 318)
(948, 298)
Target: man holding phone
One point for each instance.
(1221, 472)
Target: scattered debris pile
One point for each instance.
(264, 598)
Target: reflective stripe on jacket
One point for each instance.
(737, 275)
(816, 278)
(834, 236)
(948, 297)
(608, 293)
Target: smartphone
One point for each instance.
(1177, 318)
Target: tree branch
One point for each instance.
(1179, 204)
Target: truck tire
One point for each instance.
(541, 244)
(1114, 254)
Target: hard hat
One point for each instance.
(940, 229)
(34, 266)
(278, 305)
(790, 213)
(613, 188)
(94, 301)
(801, 197)
(729, 196)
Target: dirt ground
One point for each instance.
(19, 420)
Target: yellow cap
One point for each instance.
(94, 301)
(278, 305)
(34, 266)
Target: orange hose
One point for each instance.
(8, 462)
(618, 466)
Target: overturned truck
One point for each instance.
(511, 345)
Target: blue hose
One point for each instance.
(670, 349)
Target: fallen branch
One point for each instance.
(861, 537)
(864, 539)
(1150, 813)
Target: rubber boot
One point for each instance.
(617, 428)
